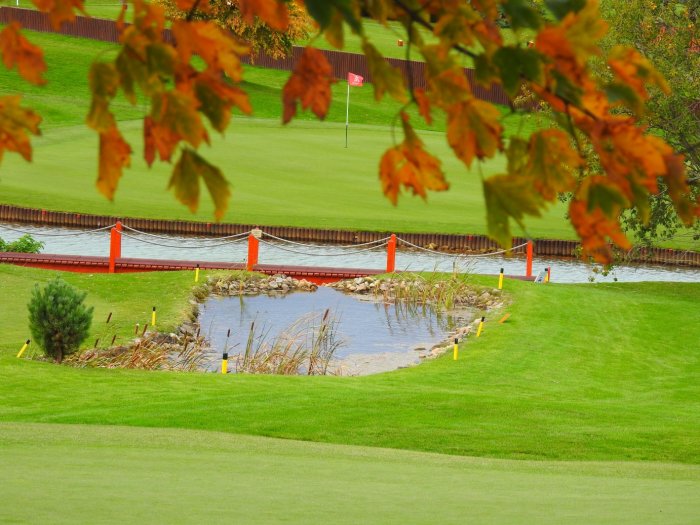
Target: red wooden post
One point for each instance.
(528, 267)
(253, 246)
(115, 246)
(391, 254)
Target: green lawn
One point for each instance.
(120, 475)
(592, 388)
(299, 175)
(586, 372)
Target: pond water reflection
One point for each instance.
(376, 337)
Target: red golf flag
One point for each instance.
(355, 80)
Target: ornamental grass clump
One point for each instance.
(58, 318)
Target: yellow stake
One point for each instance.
(500, 280)
(153, 317)
(455, 351)
(196, 274)
(481, 327)
(24, 347)
(224, 364)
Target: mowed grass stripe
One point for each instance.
(604, 372)
(116, 475)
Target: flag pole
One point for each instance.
(347, 115)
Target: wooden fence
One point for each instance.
(341, 62)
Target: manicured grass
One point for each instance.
(299, 175)
(127, 475)
(585, 372)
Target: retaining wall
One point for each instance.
(443, 242)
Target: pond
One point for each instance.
(374, 336)
(74, 242)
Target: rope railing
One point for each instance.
(257, 236)
(204, 239)
(309, 245)
(344, 254)
(183, 246)
(459, 255)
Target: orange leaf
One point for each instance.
(18, 51)
(423, 105)
(473, 130)
(410, 166)
(635, 71)
(212, 43)
(15, 123)
(217, 97)
(174, 118)
(309, 84)
(272, 12)
(115, 154)
(60, 10)
(550, 162)
(594, 212)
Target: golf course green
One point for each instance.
(583, 407)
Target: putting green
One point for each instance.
(299, 175)
(71, 474)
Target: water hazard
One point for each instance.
(70, 242)
(374, 336)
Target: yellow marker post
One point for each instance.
(24, 347)
(481, 327)
(546, 275)
(153, 317)
(455, 350)
(224, 364)
(500, 280)
(196, 274)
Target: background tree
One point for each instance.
(666, 32)
(595, 148)
(58, 318)
(257, 34)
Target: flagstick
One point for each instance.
(347, 115)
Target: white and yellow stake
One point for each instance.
(481, 327)
(24, 347)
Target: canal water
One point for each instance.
(372, 336)
(73, 242)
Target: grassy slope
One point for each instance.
(603, 372)
(297, 175)
(118, 475)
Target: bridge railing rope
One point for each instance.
(257, 236)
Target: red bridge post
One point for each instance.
(253, 248)
(391, 254)
(115, 246)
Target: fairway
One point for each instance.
(296, 175)
(127, 475)
(582, 405)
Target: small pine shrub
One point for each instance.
(58, 318)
